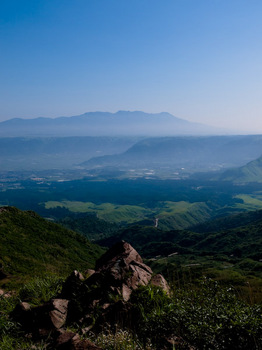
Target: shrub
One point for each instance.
(208, 317)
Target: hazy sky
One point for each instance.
(200, 60)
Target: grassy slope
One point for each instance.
(30, 245)
(89, 226)
(251, 172)
(176, 215)
(105, 211)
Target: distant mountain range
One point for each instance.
(122, 123)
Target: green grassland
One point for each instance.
(172, 215)
(106, 211)
(176, 215)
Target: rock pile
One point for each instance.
(118, 273)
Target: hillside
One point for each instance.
(152, 241)
(244, 241)
(251, 172)
(187, 153)
(122, 123)
(89, 226)
(30, 245)
(228, 222)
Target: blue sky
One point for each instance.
(200, 60)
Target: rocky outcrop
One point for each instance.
(42, 319)
(122, 270)
(72, 341)
(118, 273)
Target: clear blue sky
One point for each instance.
(200, 60)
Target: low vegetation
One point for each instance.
(32, 246)
(204, 315)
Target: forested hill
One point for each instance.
(242, 240)
(229, 222)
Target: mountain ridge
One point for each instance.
(124, 123)
(203, 152)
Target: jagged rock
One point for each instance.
(121, 250)
(78, 344)
(118, 272)
(89, 272)
(159, 281)
(4, 294)
(23, 315)
(121, 270)
(59, 313)
(72, 341)
(42, 319)
(72, 285)
(25, 306)
(119, 315)
(63, 339)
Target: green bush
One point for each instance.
(208, 317)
